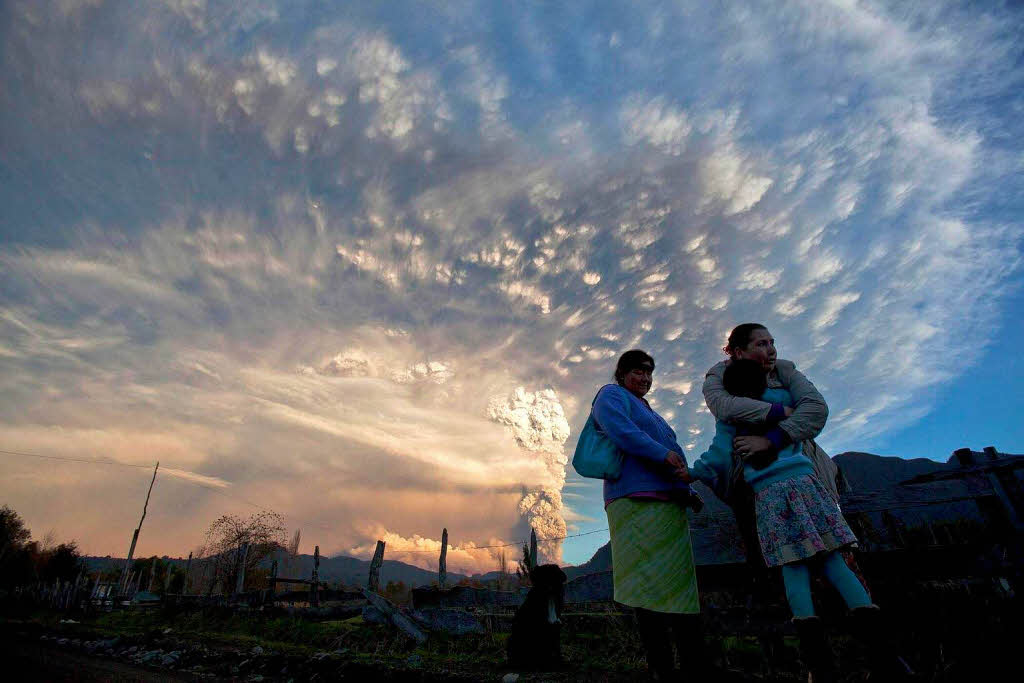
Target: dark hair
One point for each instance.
(745, 377)
(629, 361)
(740, 336)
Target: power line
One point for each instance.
(221, 492)
(92, 461)
(509, 545)
(87, 461)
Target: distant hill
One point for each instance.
(355, 572)
(870, 472)
(348, 571)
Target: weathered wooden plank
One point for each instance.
(401, 622)
(304, 582)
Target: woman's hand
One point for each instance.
(679, 468)
(787, 410)
(748, 446)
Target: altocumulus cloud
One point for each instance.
(368, 264)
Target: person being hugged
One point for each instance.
(797, 520)
(652, 556)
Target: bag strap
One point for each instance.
(629, 411)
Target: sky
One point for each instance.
(366, 264)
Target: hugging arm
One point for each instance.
(810, 411)
(806, 421)
(728, 408)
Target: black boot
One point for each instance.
(869, 627)
(814, 650)
(694, 654)
(653, 628)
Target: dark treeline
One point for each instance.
(24, 560)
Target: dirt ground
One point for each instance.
(29, 660)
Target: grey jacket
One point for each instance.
(806, 422)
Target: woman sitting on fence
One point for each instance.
(652, 558)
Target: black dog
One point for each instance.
(537, 626)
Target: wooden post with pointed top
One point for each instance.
(314, 587)
(442, 563)
(533, 547)
(188, 575)
(378, 559)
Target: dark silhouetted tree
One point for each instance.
(63, 562)
(523, 567)
(18, 553)
(264, 532)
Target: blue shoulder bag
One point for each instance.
(597, 456)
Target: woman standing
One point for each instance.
(652, 557)
(795, 516)
(802, 423)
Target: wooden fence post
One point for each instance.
(125, 573)
(95, 588)
(243, 555)
(533, 547)
(73, 598)
(273, 584)
(314, 588)
(378, 558)
(188, 576)
(442, 564)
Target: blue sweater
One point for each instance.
(716, 462)
(644, 438)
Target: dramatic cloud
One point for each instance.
(366, 264)
(538, 423)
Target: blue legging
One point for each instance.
(797, 579)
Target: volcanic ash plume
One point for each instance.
(539, 426)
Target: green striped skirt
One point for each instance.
(652, 557)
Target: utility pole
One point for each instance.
(135, 536)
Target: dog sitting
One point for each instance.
(536, 630)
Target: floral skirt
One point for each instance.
(797, 519)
